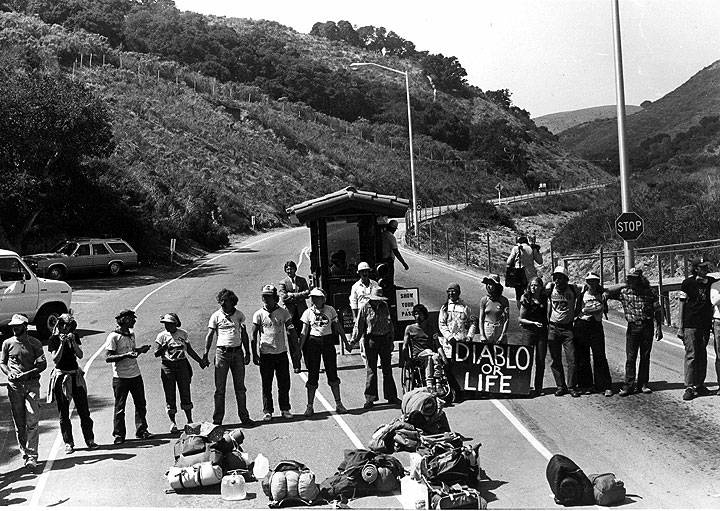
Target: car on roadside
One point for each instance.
(83, 255)
(23, 292)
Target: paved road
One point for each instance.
(665, 449)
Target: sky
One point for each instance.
(553, 55)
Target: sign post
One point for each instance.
(173, 241)
(499, 188)
(629, 226)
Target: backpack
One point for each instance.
(450, 465)
(568, 482)
(432, 425)
(188, 445)
(290, 483)
(454, 497)
(607, 490)
(394, 436)
(349, 481)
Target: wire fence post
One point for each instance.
(615, 268)
(552, 257)
(467, 260)
(431, 238)
(447, 243)
(489, 263)
(602, 268)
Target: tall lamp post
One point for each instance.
(410, 136)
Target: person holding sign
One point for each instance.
(455, 323)
(534, 322)
(494, 312)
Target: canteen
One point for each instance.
(232, 486)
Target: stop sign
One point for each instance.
(629, 226)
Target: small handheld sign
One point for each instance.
(406, 299)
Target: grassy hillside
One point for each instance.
(561, 121)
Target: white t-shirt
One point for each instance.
(389, 243)
(228, 326)
(175, 344)
(320, 320)
(359, 293)
(715, 298)
(272, 327)
(121, 344)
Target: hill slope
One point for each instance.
(562, 121)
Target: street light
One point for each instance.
(410, 137)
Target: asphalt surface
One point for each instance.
(665, 449)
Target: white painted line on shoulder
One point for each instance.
(539, 447)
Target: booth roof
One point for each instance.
(349, 201)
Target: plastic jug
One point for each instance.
(261, 466)
(232, 486)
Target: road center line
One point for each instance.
(43, 478)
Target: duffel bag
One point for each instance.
(455, 497)
(290, 483)
(450, 465)
(407, 439)
(200, 474)
(234, 460)
(189, 444)
(389, 473)
(607, 490)
(209, 454)
(452, 438)
(568, 482)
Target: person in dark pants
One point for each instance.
(642, 307)
(694, 323)
(563, 299)
(67, 382)
(590, 337)
(272, 325)
(294, 292)
(534, 322)
(715, 301)
(317, 341)
(375, 327)
(122, 353)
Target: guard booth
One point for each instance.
(345, 228)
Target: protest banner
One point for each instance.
(492, 368)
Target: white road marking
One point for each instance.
(539, 447)
(84, 303)
(43, 478)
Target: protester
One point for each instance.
(494, 312)
(715, 301)
(173, 347)
(376, 329)
(22, 359)
(424, 346)
(389, 249)
(456, 323)
(524, 255)
(641, 306)
(232, 354)
(694, 323)
(122, 353)
(320, 329)
(590, 336)
(361, 290)
(274, 329)
(294, 292)
(563, 301)
(67, 382)
(534, 322)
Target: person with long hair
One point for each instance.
(534, 322)
(494, 312)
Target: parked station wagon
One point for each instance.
(82, 255)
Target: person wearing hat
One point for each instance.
(317, 341)
(694, 324)
(122, 353)
(590, 337)
(389, 250)
(173, 348)
(642, 308)
(377, 331)
(524, 255)
(563, 301)
(294, 291)
(67, 382)
(273, 328)
(361, 289)
(22, 359)
(494, 312)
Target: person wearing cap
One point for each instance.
(22, 359)
(232, 354)
(494, 312)
(294, 291)
(67, 382)
(389, 250)
(173, 348)
(273, 328)
(533, 319)
(122, 353)
(563, 301)
(590, 337)
(694, 324)
(317, 341)
(377, 331)
(642, 308)
(455, 323)
(361, 290)
(524, 255)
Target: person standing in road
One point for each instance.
(376, 329)
(563, 301)
(524, 255)
(534, 322)
(232, 354)
(715, 301)
(294, 292)
(694, 323)
(173, 347)
(317, 341)
(642, 307)
(590, 336)
(361, 290)
(22, 359)
(122, 353)
(390, 250)
(494, 312)
(67, 382)
(273, 327)
(455, 323)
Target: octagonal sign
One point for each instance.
(629, 226)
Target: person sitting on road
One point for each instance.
(173, 346)
(534, 322)
(361, 289)
(563, 302)
(420, 344)
(494, 312)
(524, 255)
(272, 325)
(122, 353)
(317, 341)
(641, 306)
(67, 382)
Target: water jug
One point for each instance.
(232, 486)
(261, 466)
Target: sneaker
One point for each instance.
(575, 393)
(647, 390)
(368, 404)
(689, 394)
(173, 428)
(286, 414)
(587, 392)
(31, 466)
(394, 401)
(143, 435)
(91, 445)
(267, 417)
(626, 391)
(118, 440)
(69, 449)
(609, 393)
(561, 391)
(702, 390)
(309, 411)
(340, 408)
